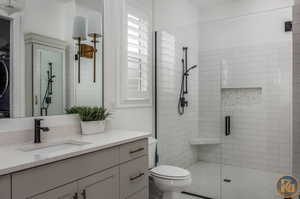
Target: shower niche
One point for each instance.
(45, 75)
(241, 96)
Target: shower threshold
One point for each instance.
(196, 195)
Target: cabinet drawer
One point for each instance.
(53, 175)
(133, 150)
(133, 176)
(144, 194)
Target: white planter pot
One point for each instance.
(92, 127)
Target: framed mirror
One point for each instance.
(51, 56)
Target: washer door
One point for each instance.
(4, 78)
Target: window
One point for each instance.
(138, 80)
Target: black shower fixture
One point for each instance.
(183, 103)
(47, 100)
(288, 26)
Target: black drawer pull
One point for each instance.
(227, 180)
(137, 177)
(227, 126)
(75, 196)
(137, 150)
(83, 194)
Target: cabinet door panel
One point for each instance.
(5, 187)
(101, 185)
(133, 176)
(65, 192)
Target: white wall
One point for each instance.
(45, 17)
(170, 14)
(253, 29)
(211, 10)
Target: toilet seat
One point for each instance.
(170, 173)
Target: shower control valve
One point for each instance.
(183, 102)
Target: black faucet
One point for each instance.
(38, 129)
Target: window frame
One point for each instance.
(122, 77)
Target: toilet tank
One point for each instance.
(152, 148)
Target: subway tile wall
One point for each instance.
(210, 104)
(174, 131)
(252, 85)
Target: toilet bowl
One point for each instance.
(168, 179)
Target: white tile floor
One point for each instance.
(245, 182)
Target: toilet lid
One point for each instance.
(170, 172)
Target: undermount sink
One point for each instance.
(53, 146)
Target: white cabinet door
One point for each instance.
(5, 187)
(101, 185)
(68, 191)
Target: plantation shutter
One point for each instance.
(139, 58)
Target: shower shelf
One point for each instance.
(205, 141)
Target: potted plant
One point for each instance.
(92, 118)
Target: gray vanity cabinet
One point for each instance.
(5, 187)
(68, 191)
(119, 172)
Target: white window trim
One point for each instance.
(122, 101)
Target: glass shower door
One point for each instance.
(255, 91)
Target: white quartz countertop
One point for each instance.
(12, 159)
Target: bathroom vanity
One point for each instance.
(113, 165)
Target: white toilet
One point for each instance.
(169, 179)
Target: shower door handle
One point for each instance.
(7, 78)
(227, 126)
(36, 101)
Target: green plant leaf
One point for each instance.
(89, 113)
